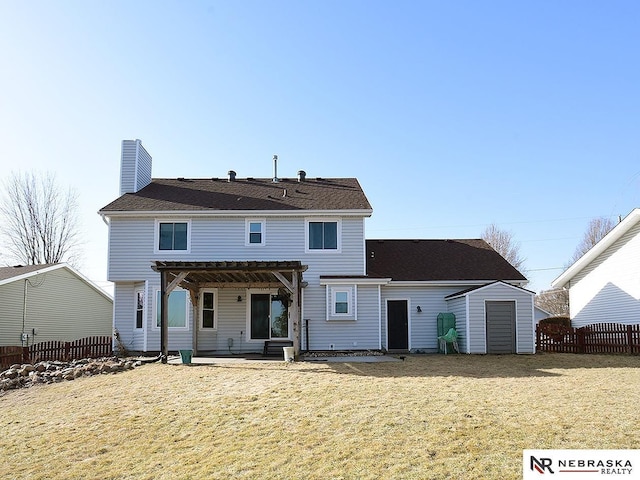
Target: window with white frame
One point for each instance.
(139, 308)
(255, 232)
(323, 235)
(176, 309)
(172, 236)
(341, 303)
(208, 310)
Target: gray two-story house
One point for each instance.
(225, 264)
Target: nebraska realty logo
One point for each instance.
(579, 464)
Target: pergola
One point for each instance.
(192, 276)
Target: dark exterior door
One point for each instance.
(260, 316)
(398, 325)
(501, 327)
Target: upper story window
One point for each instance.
(323, 235)
(255, 232)
(172, 236)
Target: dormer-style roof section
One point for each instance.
(235, 195)
(438, 261)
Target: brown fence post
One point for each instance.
(26, 358)
(629, 339)
(580, 339)
(538, 338)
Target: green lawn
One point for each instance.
(431, 416)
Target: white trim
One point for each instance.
(154, 320)
(489, 285)
(354, 281)
(323, 251)
(145, 323)
(156, 236)
(135, 166)
(201, 308)
(397, 299)
(453, 283)
(136, 291)
(467, 321)
(609, 239)
(237, 213)
(263, 232)
(270, 292)
(352, 302)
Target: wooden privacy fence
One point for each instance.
(88, 347)
(598, 338)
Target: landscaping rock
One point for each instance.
(19, 376)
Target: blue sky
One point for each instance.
(453, 115)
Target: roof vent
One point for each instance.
(232, 176)
(275, 169)
(302, 175)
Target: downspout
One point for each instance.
(379, 317)
(24, 312)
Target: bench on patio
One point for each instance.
(274, 347)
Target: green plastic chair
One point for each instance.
(450, 337)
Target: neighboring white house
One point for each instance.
(604, 284)
(40, 303)
(227, 264)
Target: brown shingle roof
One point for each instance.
(243, 194)
(437, 260)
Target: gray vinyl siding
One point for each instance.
(132, 250)
(525, 339)
(458, 306)
(135, 167)
(363, 333)
(608, 289)
(423, 333)
(60, 306)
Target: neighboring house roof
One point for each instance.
(251, 194)
(617, 232)
(20, 272)
(480, 287)
(9, 274)
(438, 260)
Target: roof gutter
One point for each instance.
(235, 213)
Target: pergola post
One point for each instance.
(295, 306)
(164, 322)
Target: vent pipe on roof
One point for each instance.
(302, 175)
(232, 176)
(275, 169)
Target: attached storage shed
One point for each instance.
(494, 318)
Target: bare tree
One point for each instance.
(504, 243)
(555, 301)
(40, 223)
(596, 230)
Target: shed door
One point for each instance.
(397, 325)
(501, 327)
